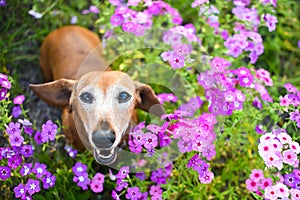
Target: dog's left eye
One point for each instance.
(124, 97)
(86, 97)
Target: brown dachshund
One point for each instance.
(98, 104)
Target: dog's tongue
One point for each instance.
(105, 157)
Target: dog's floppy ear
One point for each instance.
(148, 100)
(56, 93)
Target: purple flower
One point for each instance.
(176, 61)
(4, 172)
(207, 178)
(4, 82)
(26, 151)
(39, 170)
(270, 21)
(2, 2)
(135, 147)
(209, 152)
(72, 152)
(219, 64)
(121, 185)
(133, 193)
(49, 130)
(49, 181)
(15, 161)
(114, 195)
(257, 103)
(3, 93)
(132, 27)
(20, 191)
(13, 128)
(167, 97)
(155, 190)
(16, 140)
(140, 175)
(290, 180)
(38, 137)
(94, 9)
(25, 169)
(16, 111)
(123, 172)
(150, 141)
(99, 178)
(19, 99)
(32, 186)
(117, 19)
(298, 43)
(259, 129)
(79, 168)
(82, 180)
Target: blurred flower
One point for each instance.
(35, 14)
(4, 172)
(26, 150)
(39, 170)
(133, 193)
(25, 169)
(74, 19)
(32, 186)
(82, 180)
(92, 9)
(16, 111)
(16, 139)
(79, 168)
(20, 191)
(48, 180)
(271, 21)
(38, 137)
(2, 2)
(207, 178)
(49, 130)
(19, 99)
(123, 172)
(177, 61)
(13, 128)
(15, 161)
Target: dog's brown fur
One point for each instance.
(71, 59)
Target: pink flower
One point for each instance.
(289, 157)
(256, 175)
(295, 194)
(295, 147)
(209, 176)
(96, 186)
(252, 185)
(265, 183)
(273, 159)
(284, 101)
(19, 99)
(282, 189)
(284, 138)
(271, 192)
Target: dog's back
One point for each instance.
(70, 52)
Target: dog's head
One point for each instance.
(102, 105)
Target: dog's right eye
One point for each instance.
(86, 97)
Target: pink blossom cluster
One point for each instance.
(271, 190)
(180, 51)
(135, 22)
(277, 148)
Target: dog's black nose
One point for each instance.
(103, 139)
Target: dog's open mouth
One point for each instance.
(105, 157)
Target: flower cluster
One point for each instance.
(178, 56)
(5, 86)
(81, 177)
(284, 188)
(158, 177)
(278, 150)
(71, 152)
(135, 22)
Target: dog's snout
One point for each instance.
(103, 139)
(105, 125)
